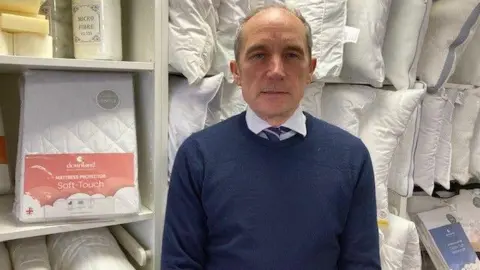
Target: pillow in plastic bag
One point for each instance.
(192, 28)
(188, 109)
(428, 140)
(406, 29)
(468, 69)
(327, 20)
(5, 263)
(312, 99)
(474, 168)
(230, 15)
(381, 127)
(379, 117)
(29, 253)
(343, 105)
(451, 26)
(227, 103)
(86, 249)
(465, 114)
(363, 61)
(443, 157)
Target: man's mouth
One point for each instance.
(272, 91)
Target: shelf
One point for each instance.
(10, 228)
(19, 63)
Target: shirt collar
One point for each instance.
(296, 122)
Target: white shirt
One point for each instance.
(296, 124)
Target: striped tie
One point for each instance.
(273, 133)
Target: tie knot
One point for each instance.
(278, 130)
(273, 133)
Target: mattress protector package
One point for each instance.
(5, 180)
(85, 250)
(77, 149)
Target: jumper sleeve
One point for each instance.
(185, 231)
(359, 240)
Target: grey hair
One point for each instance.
(238, 37)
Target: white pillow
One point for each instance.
(443, 157)
(327, 20)
(312, 99)
(188, 109)
(468, 69)
(363, 60)
(227, 103)
(86, 250)
(400, 175)
(428, 138)
(192, 28)
(260, 3)
(230, 14)
(343, 105)
(475, 154)
(450, 29)
(29, 253)
(381, 128)
(379, 117)
(400, 245)
(406, 29)
(465, 114)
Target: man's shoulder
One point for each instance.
(214, 134)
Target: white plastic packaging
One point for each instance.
(97, 29)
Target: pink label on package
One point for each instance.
(57, 176)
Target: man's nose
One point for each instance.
(276, 70)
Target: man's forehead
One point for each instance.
(271, 41)
(273, 18)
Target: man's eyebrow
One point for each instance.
(255, 47)
(295, 48)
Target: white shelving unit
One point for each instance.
(145, 54)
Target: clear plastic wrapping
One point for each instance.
(59, 13)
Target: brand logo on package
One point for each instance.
(81, 164)
(476, 202)
(108, 99)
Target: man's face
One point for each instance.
(273, 66)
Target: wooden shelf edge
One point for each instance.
(11, 228)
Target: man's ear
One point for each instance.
(235, 72)
(313, 65)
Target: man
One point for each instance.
(273, 187)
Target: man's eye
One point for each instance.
(292, 55)
(257, 56)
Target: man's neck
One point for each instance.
(277, 120)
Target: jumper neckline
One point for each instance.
(295, 140)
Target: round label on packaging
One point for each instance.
(476, 202)
(451, 218)
(107, 99)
